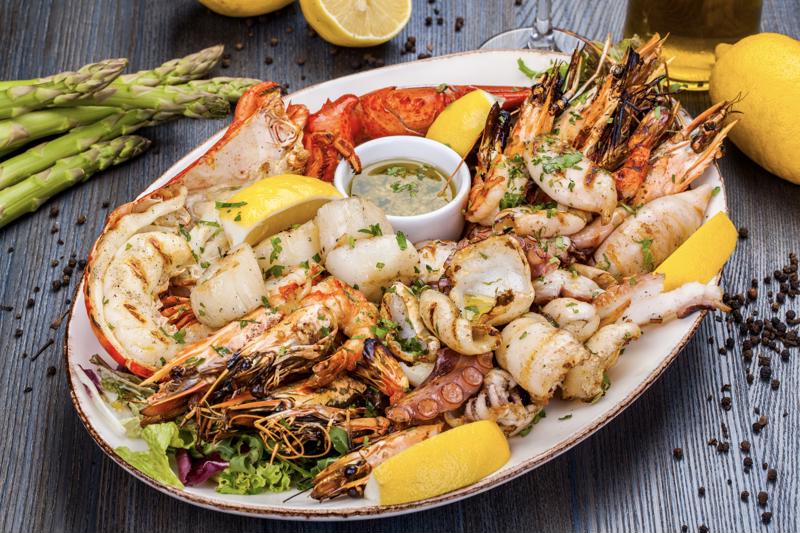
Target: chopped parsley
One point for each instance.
(511, 199)
(647, 254)
(418, 287)
(185, 234)
(276, 249)
(402, 242)
(412, 188)
(373, 229)
(412, 345)
(229, 205)
(275, 270)
(178, 336)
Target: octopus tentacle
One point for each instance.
(455, 378)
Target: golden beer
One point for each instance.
(695, 27)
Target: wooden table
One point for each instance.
(622, 479)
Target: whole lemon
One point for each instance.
(764, 70)
(244, 8)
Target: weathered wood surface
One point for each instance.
(622, 479)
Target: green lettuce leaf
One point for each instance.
(155, 462)
(256, 479)
(249, 470)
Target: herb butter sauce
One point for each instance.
(403, 187)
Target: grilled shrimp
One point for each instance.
(538, 355)
(504, 182)
(636, 166)
(293, 344)
(356, 318)
(645, 239)
(678, 162)
(350, 473)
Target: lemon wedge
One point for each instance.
(445, 462)
(271, 205)
(703, 254)
(462, 122)
(356, 22)
(244, 8)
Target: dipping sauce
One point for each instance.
(403, 187)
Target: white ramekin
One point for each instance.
(447, 222)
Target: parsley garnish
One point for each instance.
(373, 229)
(229, 205)
(418, 287)
(185, 234)
(178, 336)
(276, 249)
(275, 270)
(402, 242)
(511, 200)
(647, 255)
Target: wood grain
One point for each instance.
(622, 479)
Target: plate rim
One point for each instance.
(374, 511)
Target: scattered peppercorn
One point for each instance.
(772, 474)
(744, 496)
(744, 232)
(51, 371)
(745, 446)
(701, 491)
(766, 517)
(762, 498)
(677, 453)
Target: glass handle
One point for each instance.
(542, 34)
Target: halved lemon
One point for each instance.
(445, 462)
(244, 8)
(271, 205)
(461, 123)
(356, 22)
(703, 254)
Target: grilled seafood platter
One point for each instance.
(300, 355)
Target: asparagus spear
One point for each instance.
(172, 72)
(59, 89)
(230, 88)
(18, 131)
(27, 195)
(176, 71)
(161, 98)
(44, 155)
